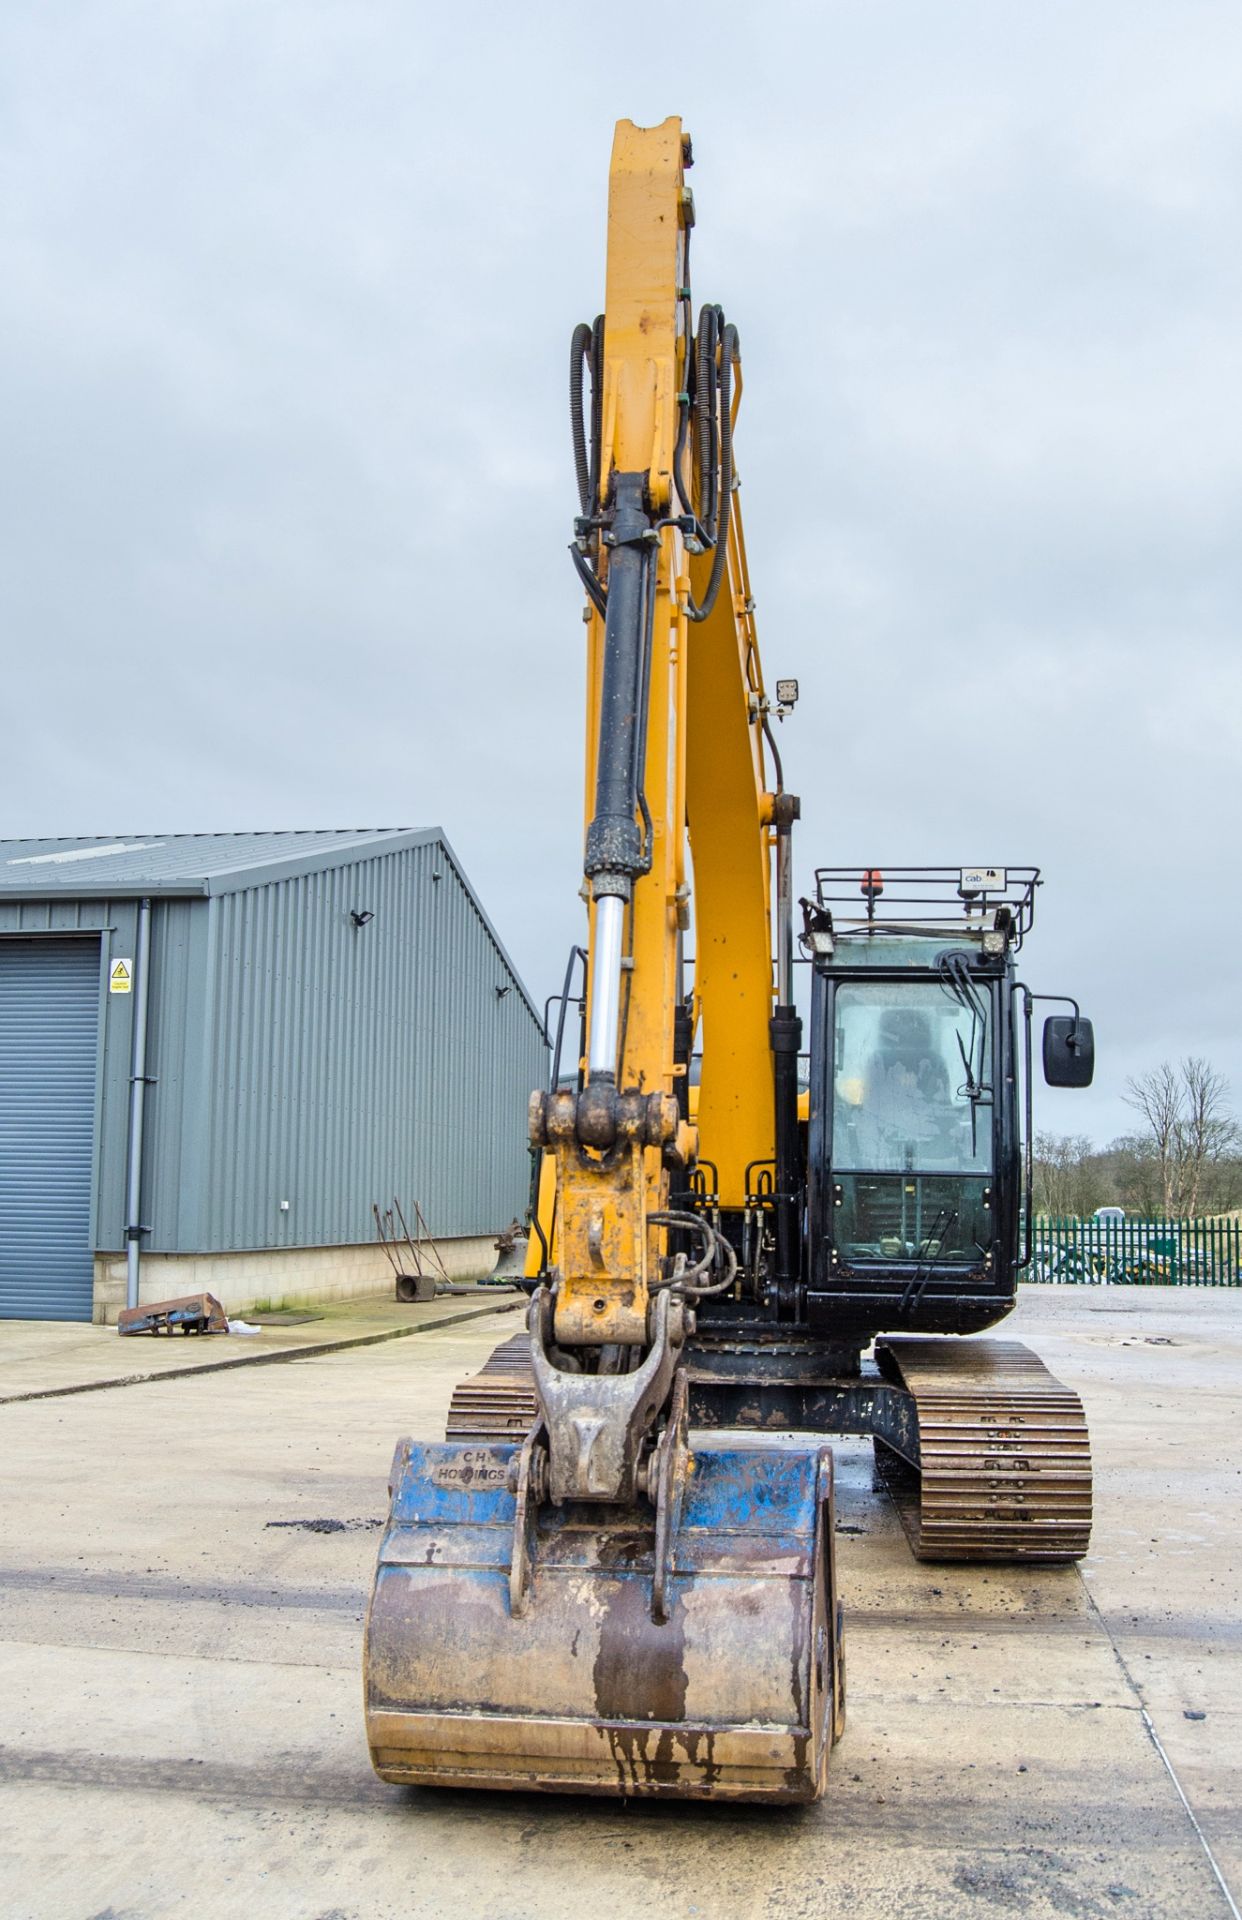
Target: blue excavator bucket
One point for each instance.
(737, 1692)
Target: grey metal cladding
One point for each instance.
(342, 1064)
(175, 1127)
(120, 865)
(293, 1055)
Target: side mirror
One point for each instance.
(1069, 1051)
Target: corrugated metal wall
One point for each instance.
(175, 1130)
(297, 1057)
(346, 1064)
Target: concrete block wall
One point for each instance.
(280, 1277)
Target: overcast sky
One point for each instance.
(285, 298)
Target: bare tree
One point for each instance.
(1067, 1181)
(1209, 1130)
(1134, 1176)
(1156, 1097)
(1187, 1127)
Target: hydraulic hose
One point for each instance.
(581, 349)
(696, 1292)
(595, 591)
(705, 393)
(586, 348)
(775, 752)
(714, 1244)
(707, 407)
(719, 435)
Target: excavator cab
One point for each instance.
(916, 1066)
(919, 1185)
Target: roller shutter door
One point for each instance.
(49, 1010)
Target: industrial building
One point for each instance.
(218, 1051)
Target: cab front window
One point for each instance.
(911, 1079)
(912, 1120)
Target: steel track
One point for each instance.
(498, 1402)
(1005, 1463)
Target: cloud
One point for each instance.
(286, 294)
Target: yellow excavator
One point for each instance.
(616, 1574)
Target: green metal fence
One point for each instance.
(1142, 1253)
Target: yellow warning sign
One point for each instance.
(120, 976)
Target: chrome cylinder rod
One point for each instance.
(602, 1038)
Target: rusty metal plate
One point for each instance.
(190, 1313)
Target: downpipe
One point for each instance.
(134, 1229)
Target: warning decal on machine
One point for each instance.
(120, 976)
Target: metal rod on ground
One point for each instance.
(414, 1253)
(137, 1094)
(389, 1250)
(421, 1218)
(441, 1284)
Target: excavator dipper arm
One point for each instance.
(605, 1606)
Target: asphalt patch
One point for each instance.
(328, 1526)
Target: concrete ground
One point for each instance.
(180, 1707)
(45, 1359)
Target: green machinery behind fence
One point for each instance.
(1144, 1253)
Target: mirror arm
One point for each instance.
(1028, 1152)
(1062, 1000)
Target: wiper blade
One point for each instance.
(922, 1274)
(955, 980)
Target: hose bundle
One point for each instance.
(707, 420)
(694, 1282)
(704, 441)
